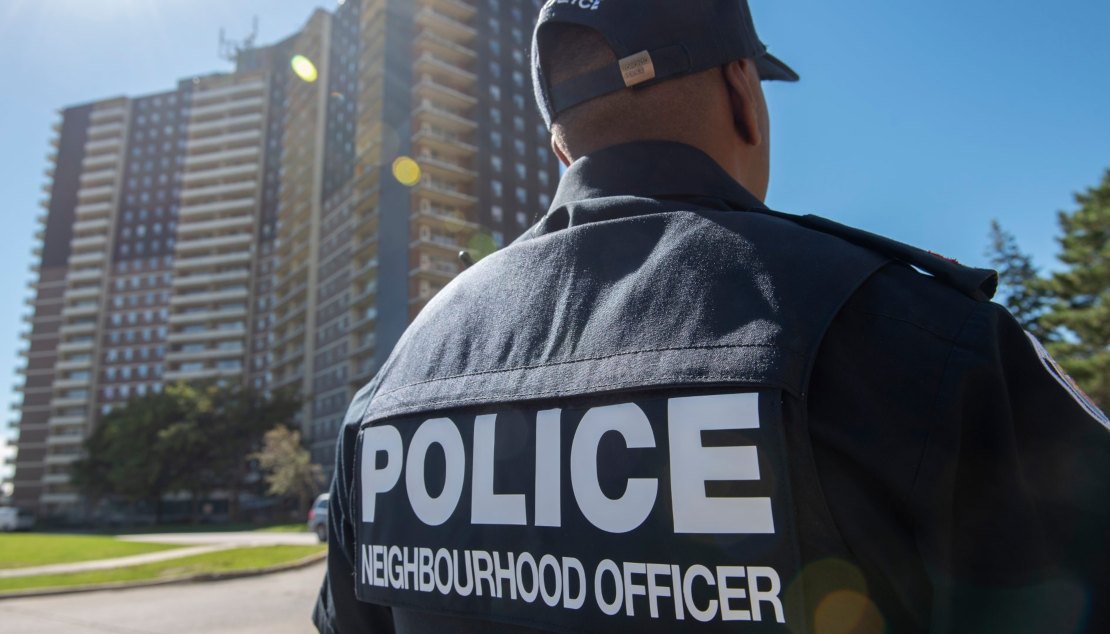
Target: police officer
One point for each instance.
(668, 407)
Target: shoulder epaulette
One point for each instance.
(979, 284)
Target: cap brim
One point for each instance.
(772, 68)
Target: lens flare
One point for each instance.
(406, 171)
(304, 68)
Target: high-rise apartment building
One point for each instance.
(280, 224)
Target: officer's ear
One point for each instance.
(743, 100)
(555, 147)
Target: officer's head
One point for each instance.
(613, 71)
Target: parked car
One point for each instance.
(318, 517)
(13, 519)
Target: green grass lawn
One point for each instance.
(20, 550)
(236, 559)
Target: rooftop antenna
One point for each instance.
(230, 49)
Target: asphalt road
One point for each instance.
(271, 604)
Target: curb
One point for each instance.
(198, 578)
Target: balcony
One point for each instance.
(96, 257)
(90, 226)
(205, 244)
(83, 292)
(198, 114)
(442, 141)
(83, 309)
(226, 130)
(445, 48)
(446, 120)
(235, 156)
(102, 130)
(440, 243)
(68, 401)
(209, 316)
(220, 259)
(430, 89)
(76, 346)
(235, 139)
(209, 279)
(66, 420)
(93, 211)
(103, 147)
(211, 354)
(436, 268)
(100, 177)
(105, 115)
(443, 192)
(69, 365)
(100, 161)
(223, 206)
(96, 194)
(242, 188)
(432, 65)
(84, 275)
(89, 243)
(224, 93)
(234, 173)
(210, 298)
(206, 335)
(436, 166)
(201, 373)
(445, 25)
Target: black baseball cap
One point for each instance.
(654, 40)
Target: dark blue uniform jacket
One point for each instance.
(930, 470)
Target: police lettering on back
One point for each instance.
(437, 553)
(692, 465)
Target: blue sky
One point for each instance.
(920, 120)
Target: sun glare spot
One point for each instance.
(406, 171)
(304, 68)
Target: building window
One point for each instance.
(498, 213)
(522, 219)
(497, 189)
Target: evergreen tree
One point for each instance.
(1081, 310)
(1022, 290)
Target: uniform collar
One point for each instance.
(651, 169)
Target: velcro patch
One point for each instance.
(646, 515)
(1069, 383)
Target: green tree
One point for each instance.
(231, 420)
(194, 438)
(1081, 310)
(1022, 290)
(288, 467)
(130, 455)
